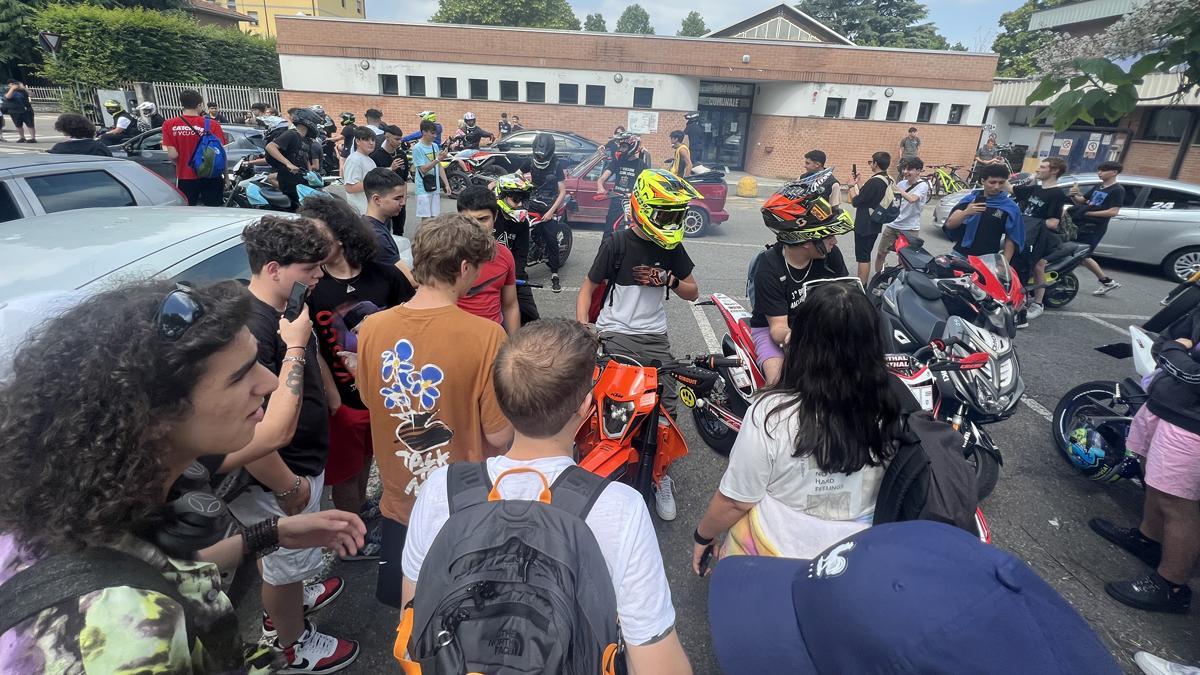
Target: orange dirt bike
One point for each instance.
(628, 435)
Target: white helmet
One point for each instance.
(469, 118)
(318, 109)
(147, 108)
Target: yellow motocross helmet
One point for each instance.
(427, 115)
(658, 205)
(515, 186)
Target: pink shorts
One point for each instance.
(764, 347)
(1172, 455)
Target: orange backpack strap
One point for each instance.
(400, 649)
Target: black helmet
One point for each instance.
(543, 150)
(311, 120)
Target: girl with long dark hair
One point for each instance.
(806, 467)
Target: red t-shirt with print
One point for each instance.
(183, 134)
(484, 299)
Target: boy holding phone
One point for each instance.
(428, 158)
(1095, 209)
(987, 221)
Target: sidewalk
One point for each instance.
(46, 135)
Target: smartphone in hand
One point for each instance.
(980, 198)
(295, 301)
(854, 170)
(706, 561)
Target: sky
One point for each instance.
(972, 22)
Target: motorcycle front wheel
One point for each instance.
(987, 471)
(1059, 295)
(715, 433)
(1090, 398)
(565, 242)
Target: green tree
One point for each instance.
(595, 23)
(526, 14)
(635, 20)
(16, 45)
(1016, 44)
(878, 23)
(693, 25)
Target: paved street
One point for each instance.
(1039, 510)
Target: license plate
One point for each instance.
(924, 396)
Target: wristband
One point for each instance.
(674, 282)
(701, 540)
(261, 538)
(290, 491)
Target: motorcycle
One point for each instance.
(246, 188)
(1060, 281)
(474, 167)
(628, 435)
(535, 210)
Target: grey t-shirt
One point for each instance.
(909, 146)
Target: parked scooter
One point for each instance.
(247, 189)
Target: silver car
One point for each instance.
(34, 183)
(147, 148)
(1159, 224)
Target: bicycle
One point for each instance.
(945, 180)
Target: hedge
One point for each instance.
(104, 47)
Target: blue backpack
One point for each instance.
(208, 160)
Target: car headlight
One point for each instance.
(616, 417)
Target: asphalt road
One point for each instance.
(1039, 510)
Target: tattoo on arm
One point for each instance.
(295, 379)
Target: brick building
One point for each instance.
(764, 100)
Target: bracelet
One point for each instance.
(261, 538)
(701, 540)
(290, 491)
(301, 348)
(298, 359)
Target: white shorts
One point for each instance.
(429, 205)
(285, 565)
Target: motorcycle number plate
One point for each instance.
(924, 396)
(740, 378)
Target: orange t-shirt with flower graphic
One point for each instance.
(426, 377)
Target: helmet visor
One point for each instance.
(668, 219)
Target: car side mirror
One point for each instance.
(129, 148)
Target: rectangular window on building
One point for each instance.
(925, 112)
(509, 90)
(416, 85)
(895, 111)
(595, 94)
(864, 109)
(479, 89)
(833, 107)
(643, 97)
(568, 93)
(231, 4)
(389, 85)
(1166, 124)
(535, 92)
(447, 87)
(253, 17)
(957, 113)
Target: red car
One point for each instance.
(702, 213)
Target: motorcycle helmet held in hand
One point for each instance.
(658, 205)
(310, 120)
(543, 150)
(1098, 451)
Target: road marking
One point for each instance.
(706, 329)
(1129, 317)
(690, 242)
(1037, 407)
(1102, 322)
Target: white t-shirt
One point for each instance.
(910, 212)
(801, 509)
(619, 520)
(356, 168)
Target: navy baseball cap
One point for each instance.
(912, 597)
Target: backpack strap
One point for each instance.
(64, 576)
(576, 490)
(467, 484)
(618, 244)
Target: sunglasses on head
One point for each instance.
(850, 282)
(179, 311)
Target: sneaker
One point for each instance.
(1151, 593)
(317, 596)
(1022, 319)
(664, 499)
(1034, 311)
(369, 551)
(1154, 665)
(1131, 539)
(370, 511)
(317, 652)
(555, 285)
(1106, 287)
(21, 140)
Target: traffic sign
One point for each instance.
(1092, 148)
(51, 42)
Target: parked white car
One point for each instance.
(34, 184)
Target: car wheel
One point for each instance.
(695, 224)
(1182, 264)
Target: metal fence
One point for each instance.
(46, 99)
(234, 101)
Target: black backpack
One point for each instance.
(513, 586)
(928, 478)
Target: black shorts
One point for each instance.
(1091, 238)
(864, 243)
(389, 589)
(203, 191)
(22, 118)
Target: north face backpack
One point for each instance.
(208, 159)
(928, 478)
(889, 206)
(513, 586)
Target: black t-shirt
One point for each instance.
(1040, 202)
(866, 201)
(294, 148)
(505, 128)
(18, 104)
(545, 181)
(777, 288)
(384, 159)
(81, 146)
(307, 452)
(473, 136)
(389, 250)
(695, 133)
(1102, 198)
(338, 306)
(626, 170)
(635, 308)
(515, 236)
(828, 187)
(989, 236)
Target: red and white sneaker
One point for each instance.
(317, 652)
(317, 596)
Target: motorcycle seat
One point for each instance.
(924, 287)
(914, 241)
(1066, 251)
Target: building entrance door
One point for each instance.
(725, 119)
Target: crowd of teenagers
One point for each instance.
(119, 412)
